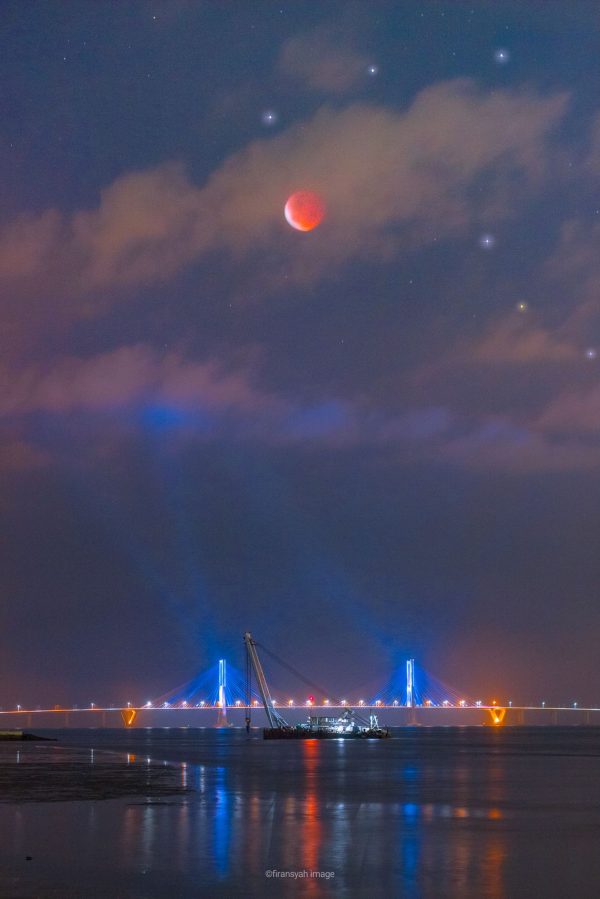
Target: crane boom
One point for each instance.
(274, 718)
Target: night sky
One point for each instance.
(375, 439)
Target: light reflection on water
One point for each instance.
(222, 823)
(457, 814)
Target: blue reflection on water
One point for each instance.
(222, 831)
(411, 851)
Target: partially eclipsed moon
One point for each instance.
(304, 210)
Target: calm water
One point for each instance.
(449, 812)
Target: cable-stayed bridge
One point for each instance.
(219, 697)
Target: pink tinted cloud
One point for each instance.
(519, 341)
(127, 376)
(575, 259)
(573, 411)
(392, 180)
(27, 245)
(517, 360)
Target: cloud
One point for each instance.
(575, 259)
(487, 442)
(392, 181)
(138, 378)
(129, 376)
(516, 341)
(498, 444)
(135, 387)
(514, 366)
(27, 244)
(324, 59)
(573, 411)
(508, 406)
(574, 267)
(572, 272)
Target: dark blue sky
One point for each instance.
(373, 440)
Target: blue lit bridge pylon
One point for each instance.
(410, 682)
(222, 700)
(220, 687)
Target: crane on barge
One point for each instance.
(318, 727)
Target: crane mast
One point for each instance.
(274, 718)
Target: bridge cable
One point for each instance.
(305, 680)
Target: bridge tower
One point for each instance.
(410, 682)
(222, 700)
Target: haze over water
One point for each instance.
(433, 812)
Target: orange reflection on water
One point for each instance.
(311, 824)
(493, 868)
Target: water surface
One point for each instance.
(433, 813)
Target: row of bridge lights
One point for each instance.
(311, 702)
(255, 702)
(462, 703)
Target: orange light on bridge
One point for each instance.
(497, 715)
(128, 716)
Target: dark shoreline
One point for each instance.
(40, 772)
(20, 736)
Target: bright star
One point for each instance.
(522, 306)
(269, 117)
(591, 353)
(373, 70)
(501, 55)
(487, 241)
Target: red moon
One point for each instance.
(304, 210)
